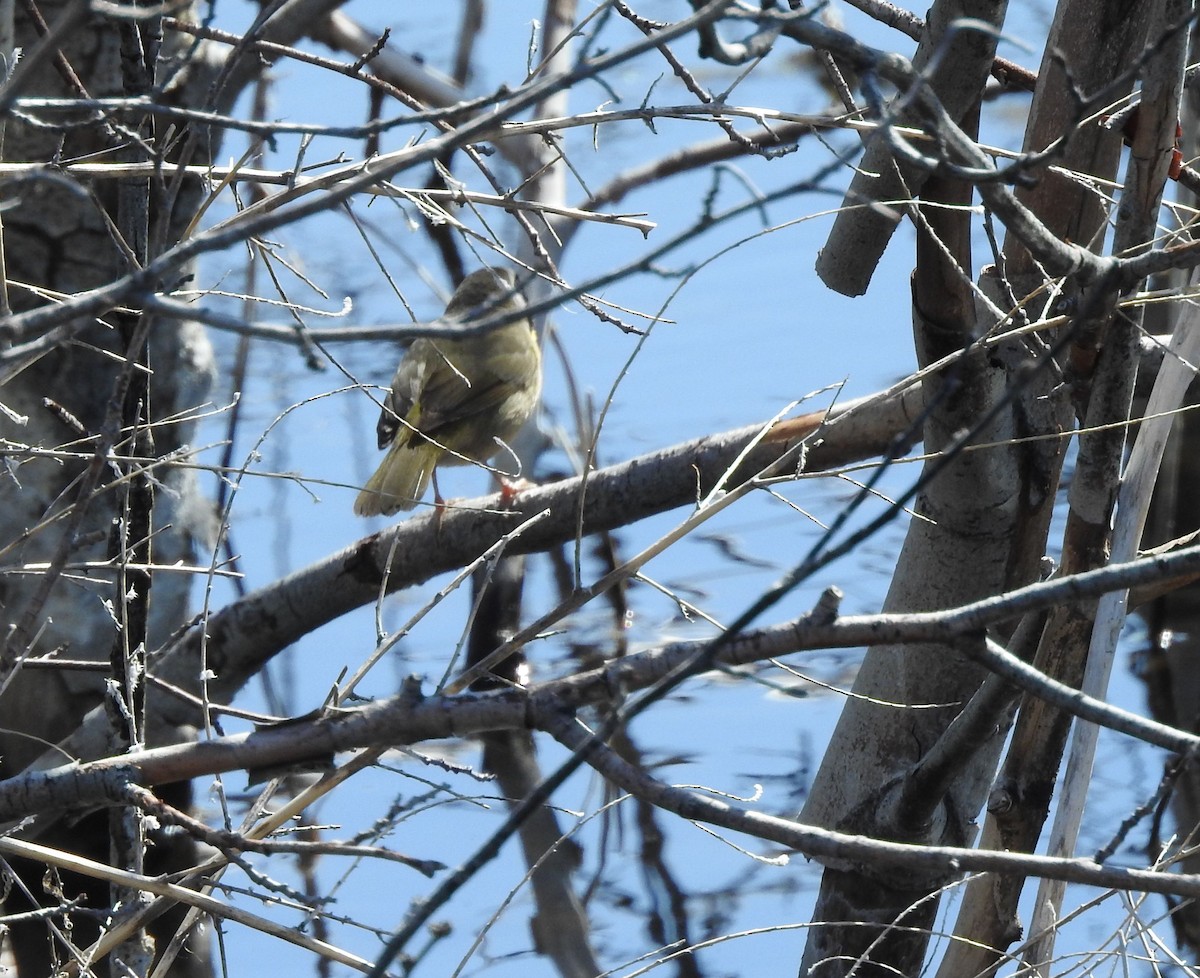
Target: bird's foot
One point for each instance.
(511, 488)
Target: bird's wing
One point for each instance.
(455, 391)
(437, 385)
(406, 388)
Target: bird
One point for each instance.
(455, 401)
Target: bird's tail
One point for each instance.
(400, 481)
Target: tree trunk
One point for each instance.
(62, 509)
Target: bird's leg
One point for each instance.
(439, 505)
(511, 488)
(438, 501)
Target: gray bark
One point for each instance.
(56, 237)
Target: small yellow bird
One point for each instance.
(455, 401)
